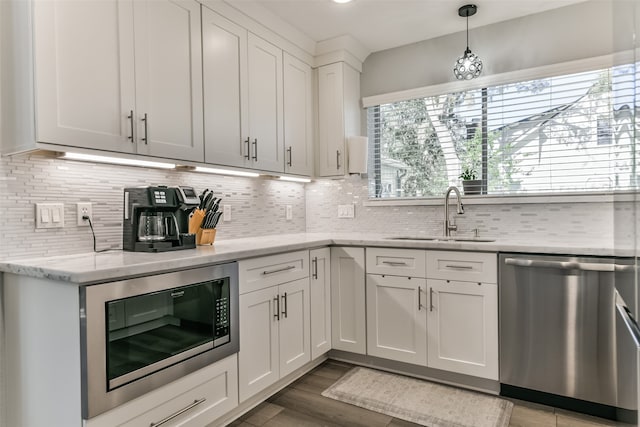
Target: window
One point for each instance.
(567, 133)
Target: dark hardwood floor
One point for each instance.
(301, 405)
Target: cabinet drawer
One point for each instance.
(208, 393)
(260, 273)
(463, 266)
(396, 262)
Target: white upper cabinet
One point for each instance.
(226, 129)
(169, 78)
(338, 116)
(265, 105)
(111, 75)
(85, 74)
(298, 117)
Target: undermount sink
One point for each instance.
(444, 239)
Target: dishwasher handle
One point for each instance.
(567, 265)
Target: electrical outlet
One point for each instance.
(83, 209)
(288, 212)
(226, 210)
(346, 211)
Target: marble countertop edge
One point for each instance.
(92, 268)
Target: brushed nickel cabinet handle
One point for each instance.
(419, 298)
(338, 159)
(255, 149)
(276, 306)
(130, 117)
(459, 267)
(430, 299)
(284, 304)
(248, 156)
(287, 268)
(145, 119)
(177, 414)
(314, 262)
(394, 263)
(290, 157)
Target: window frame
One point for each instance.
(546, 71)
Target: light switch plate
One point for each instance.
(288, 212)
(226, 211)
(346, 211)
(49, 215)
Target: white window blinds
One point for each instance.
(568, 133)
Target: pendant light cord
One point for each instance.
(467, 13)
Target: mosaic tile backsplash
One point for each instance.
(258, 205)
(553, 222)
(258, 208)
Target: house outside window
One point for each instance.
(571, 133)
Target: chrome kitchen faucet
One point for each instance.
(448, 225)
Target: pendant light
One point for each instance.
(468, 66)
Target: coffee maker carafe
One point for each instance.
(156, 219)
(154, 226)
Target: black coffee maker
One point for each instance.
(156, 219)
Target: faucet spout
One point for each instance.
(448, 225)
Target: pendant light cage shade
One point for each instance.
(468, 66)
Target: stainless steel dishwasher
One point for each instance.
(558, 338)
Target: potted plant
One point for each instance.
(470, 182)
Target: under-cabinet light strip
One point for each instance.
(116, 160)
(225, 172)
(294, 179)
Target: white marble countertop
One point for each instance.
(90, 268)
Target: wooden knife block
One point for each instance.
(205, 236)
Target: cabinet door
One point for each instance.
(397, 318)
(224, 62)
(463, 327)
(84, 73)
(348, 329)
(169, 78)
(320, 294)
(298, 117)
(258, 359)
(265, 105)
(295, 343)
(331, 138)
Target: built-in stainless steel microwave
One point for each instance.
(142, 333)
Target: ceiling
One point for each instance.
(384, 24)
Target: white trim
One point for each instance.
(620, 196)
(503, 78)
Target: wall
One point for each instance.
(574, 32)
(258, 205)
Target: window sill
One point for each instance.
(609, 197)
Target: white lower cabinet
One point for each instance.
(448, 321)
(194, 400)
(463, 327)
(274, 335)
(320, 293)
(397, 318)
(348, 326)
